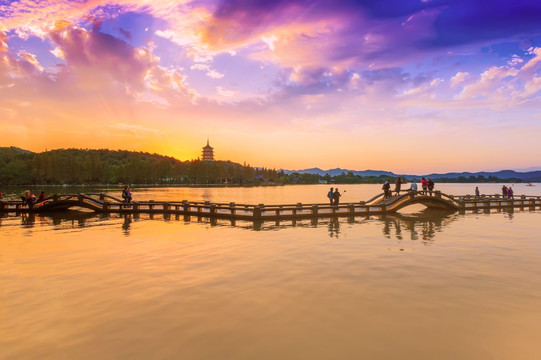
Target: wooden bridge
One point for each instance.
(377, 205)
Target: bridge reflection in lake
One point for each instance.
(422, 225)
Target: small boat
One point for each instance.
(530, 185)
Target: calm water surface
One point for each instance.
(418, 285)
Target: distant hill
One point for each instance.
(530, 176)
(339, 171)
(88, 166)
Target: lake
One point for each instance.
(415, 285)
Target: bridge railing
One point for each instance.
(107, 203)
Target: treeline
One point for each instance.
(77, 166)
(80, 166)
(351, 178)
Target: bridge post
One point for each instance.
(257, 212)
(437, 193)
(212, 209)
(166, 207)
(315, 210)
(383, 208)
(233, 209)
(136, 206)
(351, 208)
(185, 208)
(102, 196)
(299, 207)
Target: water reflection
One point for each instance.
(334, 227)
(419, 226)
(127, 222)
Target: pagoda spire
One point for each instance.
(208, 152)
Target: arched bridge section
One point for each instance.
(378, 205)
(436, 200)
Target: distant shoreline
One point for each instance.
(115, 186)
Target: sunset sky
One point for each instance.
(410, 86)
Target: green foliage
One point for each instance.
(79, 166)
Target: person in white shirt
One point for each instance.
(413, 187)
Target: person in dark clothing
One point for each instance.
(398, 185)
(24, 196)
(386, 190)
(126, 194)
(510, 193)
(330, 195)
(430, 186)
(41, 196)
(336, 197)
(504, 191)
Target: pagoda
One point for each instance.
(208, 152)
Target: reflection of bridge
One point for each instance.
(422, 225)
(377, 205)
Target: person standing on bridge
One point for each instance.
(424, 184)
(386, 190)
(336, 197)
(126, 194)
(30, 198)
(398, 185)
(504, 191)
(510, 193)
(430, 186)
(330, 195)
(413, 187)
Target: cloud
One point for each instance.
(225, 92)
(459, 79)
(126, 33)
(211, 73)
(214, 74)
(137, 130)
(30, 59)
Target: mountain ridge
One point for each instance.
(528, 176)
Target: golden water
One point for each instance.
(413, 286)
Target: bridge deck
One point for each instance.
(376, 205)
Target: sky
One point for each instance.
(409, 86)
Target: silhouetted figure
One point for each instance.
(398, 185)
(430, 186)
(336, 197)
(41, 196)
(24, 196)
(126, 194)
(424, 184)
(510, 193)
(504, 191)
(28, 197)
(386, 190)
(477, 192)
(330, 195)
